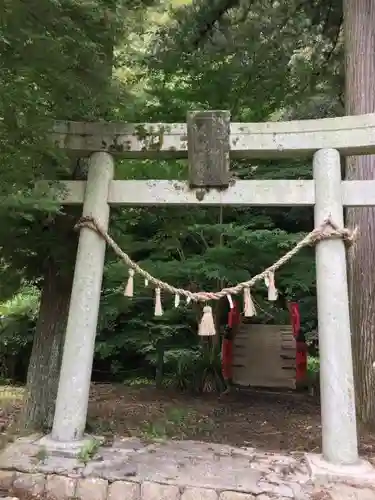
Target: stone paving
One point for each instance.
(173, 470)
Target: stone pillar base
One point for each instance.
(70, 449)
(322, 471)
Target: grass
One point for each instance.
(10, 395)
(178, 423)
(11, 399)
(89, 450)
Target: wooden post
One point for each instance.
(73, 392)
(339, 429)
(208, 148)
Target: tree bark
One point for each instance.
(46, 354)
(359, 26)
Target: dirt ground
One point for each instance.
(269, 421)
(266, 420)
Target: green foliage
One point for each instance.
(88, 451)
(41, 455)
(57, 61)
(249, 57)
(17, 320)
(17, 324)
(199, 369)
(313, 365)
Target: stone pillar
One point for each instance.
(339, 426)
(74, 385)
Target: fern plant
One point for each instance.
(199, 370)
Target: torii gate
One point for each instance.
(209, 140)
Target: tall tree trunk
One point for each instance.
(45, 360)
(359, 25)
(46, 354)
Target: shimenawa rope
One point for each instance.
(327, 230)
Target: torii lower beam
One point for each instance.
(240, 193)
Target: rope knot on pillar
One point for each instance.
(330, 230)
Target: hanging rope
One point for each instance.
(327, 230)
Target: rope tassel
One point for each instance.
(176, 300)
(230, 301)
(158, 307)
(248, 304)
(129, 289)
(207, 324)
(270, 283)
